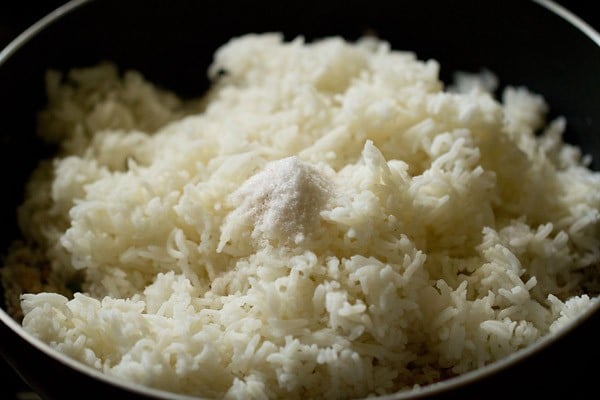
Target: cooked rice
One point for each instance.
(332, 224)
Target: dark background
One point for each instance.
(15, 16)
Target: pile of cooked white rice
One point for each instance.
(328, 222)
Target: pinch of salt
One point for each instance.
(282, 202)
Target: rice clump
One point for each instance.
(327, 222)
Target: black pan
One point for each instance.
(532, 43)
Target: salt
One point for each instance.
(281, 203)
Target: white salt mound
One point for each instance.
(281, 203)
(330, 224)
